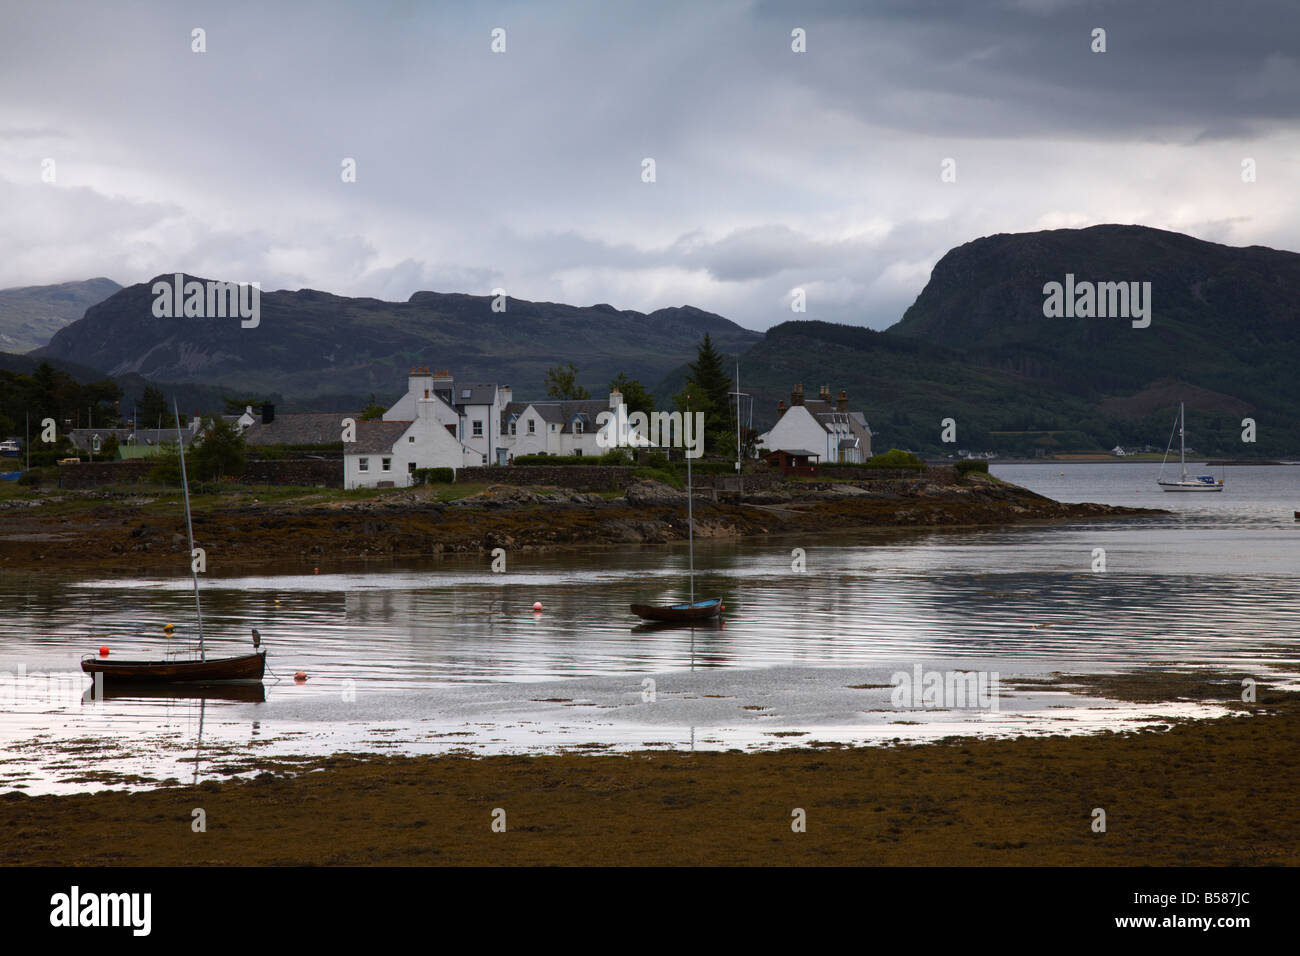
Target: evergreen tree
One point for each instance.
(709, 389)
(218, 451)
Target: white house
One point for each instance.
(554, 427)
(421, 430)
(442, 423)
(824, 427)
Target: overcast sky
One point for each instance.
(523, 169)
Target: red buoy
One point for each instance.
(300, 676)
(537, 605)
(103, 650)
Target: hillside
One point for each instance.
(31, 315)
(975, 346)
(311, 344)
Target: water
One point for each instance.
(443, 654)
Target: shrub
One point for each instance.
(33, 476)
(896, 458)
(433, 476)
(966, 465)
(615, 456)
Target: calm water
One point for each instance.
(445, 654)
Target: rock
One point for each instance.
(649, 492)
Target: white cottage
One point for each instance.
(822, 426)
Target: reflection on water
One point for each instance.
(1215, 583)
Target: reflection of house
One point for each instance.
(824, 428)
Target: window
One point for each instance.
(363, 464)
(514, 428)
(410, 439)
(388, 464)
(577, 426)
(532, 425)
(410, 467)
(485, 459)
(552, 428)
(478, 429)
(464, 393)
(577, 452)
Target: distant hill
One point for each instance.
(31, 315)
(312, 344)
(975, 346)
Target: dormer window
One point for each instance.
(514, 428)
(577, 426)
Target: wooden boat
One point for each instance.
(247, 668)
(250, 668)
(698, 611)
(691, 610)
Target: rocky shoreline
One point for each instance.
(106, 530)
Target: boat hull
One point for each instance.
(699, 611)
(1189, 487)
(246, 669)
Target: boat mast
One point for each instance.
(1182, 444)
(690, 512)
(189, 528)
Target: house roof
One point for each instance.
(799, 452)
(474, 393)
(376, 438)
(298, 428)
(143, 436)
(562, 413)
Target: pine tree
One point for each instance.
(710, 393)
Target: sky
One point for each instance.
(125, 153)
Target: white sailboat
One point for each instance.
(1185, 481)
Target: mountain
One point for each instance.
(310, 344)
(975, 346)
(31, 315)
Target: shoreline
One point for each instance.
(104, 532)
(1194, 793)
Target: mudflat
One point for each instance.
(1218, 792)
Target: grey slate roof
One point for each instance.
(143, 436)
(375, 438)
(560, 413)
(298, 428)
(474, 393)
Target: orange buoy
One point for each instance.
(103, 650)
(300, 676)
(315, 570)
(537, 605)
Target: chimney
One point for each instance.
(796, 396)
(842, 402)
(505, 395)
(268, 413)
(824, 394)
(780, 409)
(615, 399)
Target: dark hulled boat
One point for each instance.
(250, 667)
(247, 668)
(698, 611)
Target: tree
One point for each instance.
(108, 448)
(372, 412)
(218, 451)
(152, 410)
(636, 396)
(562, 383)
(709, 391)
(236, 406)
(166, 468)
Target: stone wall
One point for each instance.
(577, 477)
(290, 471)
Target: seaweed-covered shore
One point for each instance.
(98, 530)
